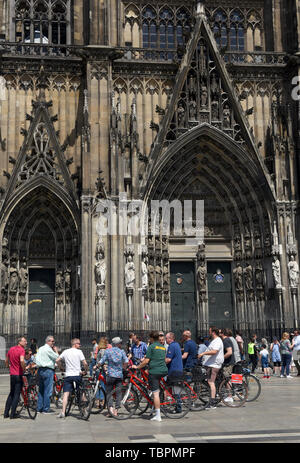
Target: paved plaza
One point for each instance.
(274, 417)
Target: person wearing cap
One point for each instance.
(116, 359)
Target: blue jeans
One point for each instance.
(45, 389)
(286, 361)
(92, 364)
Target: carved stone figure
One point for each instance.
(158, 273)
(276, 272)
(192, 86)
(293, 272)
(100, 270)
(129, 273)
(13, 279)
(23, 274)
(181, 115)
(67, 278)
(59, 282)
(248, 277)
(166, 276)
(150, 275)
(144, 274)
(238, 277)
(226, 117)
(204, 95)
(259, 277)
(192, 110)
(201, 276)
(215, 110)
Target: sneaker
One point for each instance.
(156, 418)
(264, 376)
(289, 376)
(48, 412)
(61, 415)
(228, 400)
(112, 411)
(210, 407)
(281, 376)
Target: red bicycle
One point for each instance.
(29, 396)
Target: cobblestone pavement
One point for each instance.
(274, 417)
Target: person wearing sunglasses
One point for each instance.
(45, 361)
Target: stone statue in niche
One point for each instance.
(293, 268)
(13, 279)
(166, 276)
(238, 277)
(192, 110)
(204, 96)
(259, 276)
(276, 272)
(215, 110)
(144, 273)
(181, 115)
(248, 273)
(100, 269)
(192, 86)
(67, 277)
(150, 275)
(201, 276)
(158, 273)
(23, 274)
(129, 273)
(226, 117)
(59, 282)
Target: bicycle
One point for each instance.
(80, 397)
(175, 396)
(229, 393)
(94, 383)
(29, 396)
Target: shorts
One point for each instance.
(69, 380)
(212, 373)
(264, 363)
(227, 370)
(154, 382)
(277, 364)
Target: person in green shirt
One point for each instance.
(253, 353)
(156, 360)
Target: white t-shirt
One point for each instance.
(72, 358)
(216, 360)
(264, 353)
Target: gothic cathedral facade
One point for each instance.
(104, 103)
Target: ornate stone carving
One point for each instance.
(59, 285)
(100, 271)
(238, 277)
(144, 271)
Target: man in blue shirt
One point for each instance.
(189, 355)
(175, 367)
(173, 357)
(138, 349)
(116, 360)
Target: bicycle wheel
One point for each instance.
(254, 387)
(32, 399)
(200, 395)
(84, 403)
(233, 395)
(128, 406)
(143, 402)
(175, 400)
(97, 405)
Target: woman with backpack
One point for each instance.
(286, 355)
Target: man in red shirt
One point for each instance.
(15, 361)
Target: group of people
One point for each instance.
(163, 356)
(280, 355)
